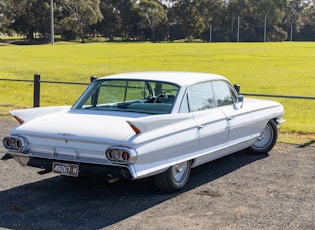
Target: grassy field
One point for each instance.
(263, 68)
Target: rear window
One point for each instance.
(152, 97)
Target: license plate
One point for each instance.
(66, 169)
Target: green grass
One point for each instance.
(264, 68)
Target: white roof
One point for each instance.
(179, 78)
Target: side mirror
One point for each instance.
(237, 87)
(240, 98)
(239, 102)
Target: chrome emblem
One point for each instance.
(66, 134)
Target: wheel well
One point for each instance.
(192, 162)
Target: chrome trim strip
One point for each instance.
(66, 158)
(280, 121)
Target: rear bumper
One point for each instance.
(85, 167)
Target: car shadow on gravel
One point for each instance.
(92, 203)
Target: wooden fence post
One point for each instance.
(36, 90)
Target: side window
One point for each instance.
(223, 93)
(184, 106)
(200, 97)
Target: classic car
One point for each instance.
(136, 125)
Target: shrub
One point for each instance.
(277, 34)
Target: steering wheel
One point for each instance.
(163, 96)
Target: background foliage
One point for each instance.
(161, 20)
(260, 68)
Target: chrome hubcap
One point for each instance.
(264, 138)
(179, 171)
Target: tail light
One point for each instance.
(125, 156)
(112, 154)
(121, 155)
(8, 142)
(18, 144)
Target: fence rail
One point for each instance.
(37, 82)
(51, 82)
(279, 96)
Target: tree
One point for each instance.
(297, 15)
(214, 15)
(307, 18)
(189, 16)
(121, 19)
(24, 16)
(130, 18)
(158, 19)
(42, 19)
(252, 14)
(111, 22)
(4, 15)
(292, 14)
(153, 13)
(238, 9)
(80, 14)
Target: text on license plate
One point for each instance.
(65, 169)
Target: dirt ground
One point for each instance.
(240, 191)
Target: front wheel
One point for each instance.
(267, 139)
(175, 178)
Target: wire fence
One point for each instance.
(37, 83)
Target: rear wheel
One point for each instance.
(175, 178)
(267, 139)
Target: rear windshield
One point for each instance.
(152, 97)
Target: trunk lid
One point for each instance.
(85, 127)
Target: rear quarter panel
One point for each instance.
(166, 139)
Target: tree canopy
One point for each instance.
(223, 20)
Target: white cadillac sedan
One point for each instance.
(136, 125)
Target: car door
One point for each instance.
(239, 119)
(211, 122)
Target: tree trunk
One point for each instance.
(30, 35)
(82, 33)
(153, 35)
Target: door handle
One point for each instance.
(200, 129)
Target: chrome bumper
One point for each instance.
(86, 166)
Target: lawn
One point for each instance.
(260, 68)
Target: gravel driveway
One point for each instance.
(240, 191)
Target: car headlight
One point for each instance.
(18, 144)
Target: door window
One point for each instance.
(200, 97)
(223, 93)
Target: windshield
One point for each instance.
(129, 95)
